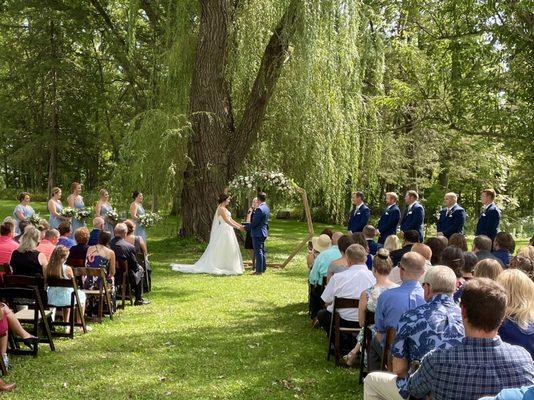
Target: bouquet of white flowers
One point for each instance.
(113, 215)
(82, 215)
(35, 220)
(69, 212)
(149, 219)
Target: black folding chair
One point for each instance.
(366, 343)
(75, 307)
(336, 330)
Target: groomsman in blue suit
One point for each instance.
(488, 222)
(359, 216)
(387, 225)
(414, 214)
(452, 217)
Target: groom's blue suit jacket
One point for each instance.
(259, 226)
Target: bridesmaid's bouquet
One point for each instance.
(82, 215)
(149, 219)
(35, 220)
(113, 215)
(68, 212)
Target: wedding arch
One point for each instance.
(280, 185)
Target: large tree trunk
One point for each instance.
(217, 148)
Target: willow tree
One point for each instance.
(219, 144)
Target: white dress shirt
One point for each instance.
(348, 284)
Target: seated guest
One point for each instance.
(61, 296)
(453, 257)
(320, 243)
(381, 268)
(101, 256)
(359, 238)
(79, 250)
(392, 243)
(458, 240)
(26, 260)
(436, 324)
(527, 251)
(395, 302)
(348, 284)
(341, 264)
(141, 251)
(482, 248)
(7, 244)
(10, 323)
(410, 238)
(327, 231)
(317, 274)
(419, 248)
(523, 393)
(124, 251)
(488, 268)
(370, 232)
(482, 364)
(504, 247)
(22, 228)
(65, 233)
(437, 245)
(140, 245)
(468, 270)
(523, 264)
(48, 243)
(43, 227)
(518, 326)
(98, 226)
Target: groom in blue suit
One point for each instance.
(359, 216)
(452, 217)
(414, 214)
(259, 230)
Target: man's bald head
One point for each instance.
(98, 223)
(412, 266)
(423, 249)
(335, 237)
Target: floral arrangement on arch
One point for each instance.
(266, 181)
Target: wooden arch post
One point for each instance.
(308, 236)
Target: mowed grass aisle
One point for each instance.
(202, 337)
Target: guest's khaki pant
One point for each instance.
(381, 386)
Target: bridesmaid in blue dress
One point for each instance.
(136, 210)
(103, 207)
(75, 200)
(54, 208)
(23, 211)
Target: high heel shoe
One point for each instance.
(30, 342)
(7, 387)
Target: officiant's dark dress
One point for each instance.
(248, 237)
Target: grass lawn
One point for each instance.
(203, 337)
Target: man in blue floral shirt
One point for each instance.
(436, 324)
(482, 364)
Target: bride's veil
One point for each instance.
(214, 224)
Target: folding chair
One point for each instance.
(38, 317)
(122, 282)
(5, 269)
(101, 294)
(75, 306)
(142, 260)
(335, 325)
(366, 343)
(387, 358)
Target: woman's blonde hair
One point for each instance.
(29, 239)
(57, 259)
(392, 243)
(103, 192)
(520, 291)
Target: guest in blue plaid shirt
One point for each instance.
(482, 365)
(436, 324)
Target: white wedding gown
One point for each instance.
(222, 256)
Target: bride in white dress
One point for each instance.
(222, 256)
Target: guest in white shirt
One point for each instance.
(348, 284)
